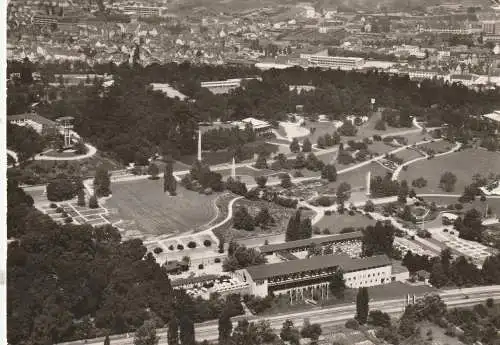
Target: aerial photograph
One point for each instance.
(251, 172)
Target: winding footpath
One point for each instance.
(398, 170)
(91, 150)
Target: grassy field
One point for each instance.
(356, 178)
(408, 155)
(154, 212)
(437, 146)
(337, 222)
(463, 164)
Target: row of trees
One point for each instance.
(95, 283)
(297, 228)
(128, 119)
(244, 220)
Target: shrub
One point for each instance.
(59, 210)
(53, 205)
(352, 324)
(68, 220)
(180, 247)
(171, 247)
(217, 260)
(191, 244)
(200, 266)
(207, 243)
(158, 250)
(328, 212)
(459, 206)
(316, 231)
(64, 214)
(352, 213)
(490, 302)
(326, 231)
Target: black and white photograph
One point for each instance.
(250, 172)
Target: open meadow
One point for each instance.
(463, 164)
(336, 222)
(155, 212)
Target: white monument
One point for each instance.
(233, 169)
(199, 145)
(368, 182)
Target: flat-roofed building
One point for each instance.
(309, 278)
(301, 245)
(322, 59)
(224, 86)
(40, 19)
(259, 126)
(493, 117)
(145, 11)
(39, 123)
(168, 90)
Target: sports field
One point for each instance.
(463, 164)
(155, 212)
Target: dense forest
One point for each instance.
(131, 121)
(68, 282)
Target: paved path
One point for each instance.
(398, 170)
(91, 150)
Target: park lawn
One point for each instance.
(155, 212)
(438, 336)
(408, 155)
(57, 154)
(322, 128)
(356, 178)
(336, 222)
(437, 146)
(463, 164)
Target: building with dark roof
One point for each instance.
(299, 278)
(301, 245)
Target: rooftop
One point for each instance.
(495, 116)
(342, 261)
(33, 117)
(311, 241)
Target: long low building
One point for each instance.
(301, 245)
(310, 278)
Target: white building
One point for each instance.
(322, 59)
(145, 11)
(224, 86)
(39, 123)
(259, 126)
(168, 90)
(309, 278)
